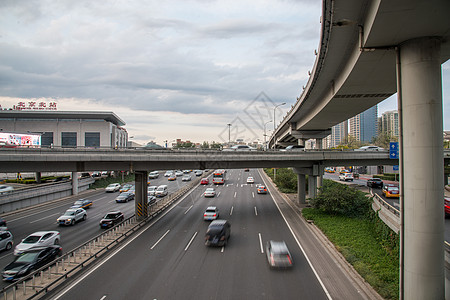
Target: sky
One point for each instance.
(169, 69)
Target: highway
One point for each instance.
(44, 217)
(169, 260)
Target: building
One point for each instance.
(364, 125)
(339, 134)
(67, 128)
(389, 123)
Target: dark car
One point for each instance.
(218, 233)
(151, 200)
(2, 222)
(375, 182)
(29, 261)
(125, 197)
(82, 203)
(110, 219)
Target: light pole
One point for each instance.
(274, 109)
(229, 134)
(265, 145)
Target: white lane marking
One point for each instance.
(256, 212)
(188, 209)
(218, 194)
(231, 211)
(154, 245)
(235, 194)
(192, 238)
(103, 298)
(261, 243)
(45, 218)
(253, 194)
(221, 250)
(6, 255)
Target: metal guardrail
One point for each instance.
(54, 273)
(382, 202)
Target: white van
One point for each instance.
(162, 191)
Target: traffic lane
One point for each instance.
(191, 270)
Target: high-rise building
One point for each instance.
(364, 125)
(339, 134)
(389, 123)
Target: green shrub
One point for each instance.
(104, 182)
(286, 179)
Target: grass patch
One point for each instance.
(359, 243)
(104, 182)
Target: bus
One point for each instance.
(219, 176)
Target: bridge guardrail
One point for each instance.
(55, 272)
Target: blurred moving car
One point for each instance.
(168, 173)
(113, 187)
(209, 192)
(294, 148)
(186, 178)
(370, 148)
(346, 177)
(6, 240)
(125, 187)
(375, 182)
(151, 200)
(37, 239)
(198, 172)
(125, 197)
(82, 203)
(329, 170)
(391, 191)
(151, 190)
(30, 261)
(250, 180)
(261, 189)
(112, 218)
(218, 233)
(204, 181)
(172, 177)
(240, 148)
(6, 189)
(2, 222)
(178, 173)
(71, 216)
(211, 213)
(153, 175)
(447, 206)
(278, 254)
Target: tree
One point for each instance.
(383, 139)
(205, 145)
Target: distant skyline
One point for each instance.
(171, 69)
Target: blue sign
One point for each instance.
(396, 168)
(393, 150)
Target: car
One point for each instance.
(2, 222)
(71, 216)
(261, 189)
(370, 148)
(132, 189)
(151, 190)
(153, 175)
(168, 173)
(104, 173)
(97, 174)
(346, 177)
(36, 240)
(240, 148)
(250, 180)
(151, 200)
(374, 182)
(82, 203)
(29, 261)
(343, 171)
(278, 254)
(125, 187)
(125, 197)
(172, 178)
(6, 240)
(112, 218)
(218, 233)
(246, 170)
(113, 187)
(447, 206)
(198, 172)
(187, 171)
(162, 191)
(204, 181)
(294, 148)
(186, 178)
(209, 192)
(178, 173)
(391, 191)
(6, 189)
(329, 170)
(211, 213)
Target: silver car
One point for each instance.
(278, 255)
(37, 240)
(209, 192)
(211, 213)
(151, 190)
(6, 240)
(71, 216)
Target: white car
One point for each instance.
(153, 175)
(346, 176)
(71, 216)
(113, 187)
(37, 240)
(250, 180)
(370, 148)
(151, 190)
(168, 173)
(240, 148)
(6, 189)
(211, 213)
(209, 192)
(178, 173)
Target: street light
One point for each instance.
(265, 145)
(274, 109)
(229, 134)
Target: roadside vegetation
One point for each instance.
(345, 216)
(285, 179)
(105, 181)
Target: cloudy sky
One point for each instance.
(169, 69)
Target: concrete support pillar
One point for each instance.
(421, 152)
(140, 202)
(38, 177)
(312, 186)
(74, 183)
(319, 144)
(301, 142)
(319, 181)
(301, 188)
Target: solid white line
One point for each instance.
(235, 194)
(154, 245)
(261, 243)
(44, 218)
(256, 212)
(231, 211)
(193, 237)
(188, 209)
